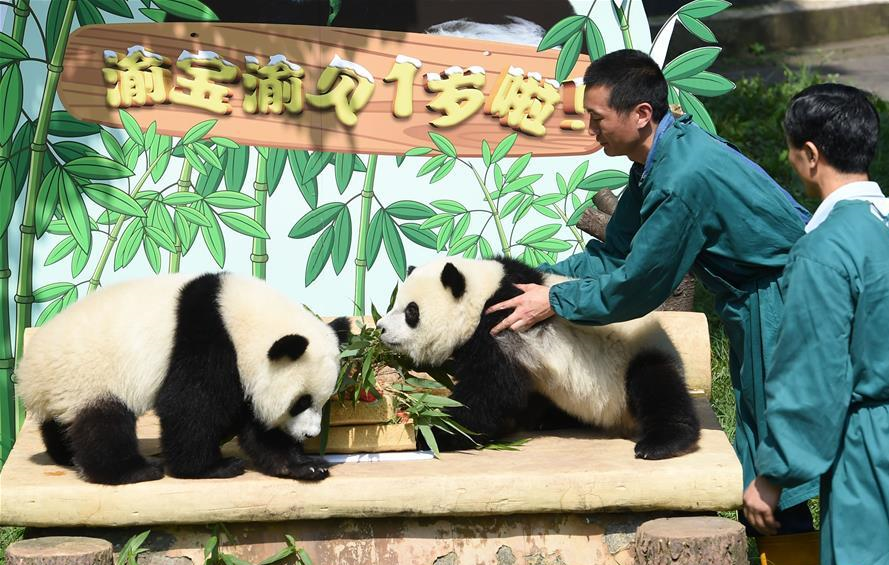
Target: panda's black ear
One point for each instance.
(343, 329)
(292, 346)
(410, 269)
(453, 279)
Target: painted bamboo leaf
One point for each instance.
(343, 168)
(316, 220)
(274, 167)
(132, 151)
(610, 178)
(413, 232)
(518, 167)
(436, 220)
(10, 102)
(52, 291)
(319, 255)
(545, 211)
(197, 132)
(189, 215)
(578, 212)
(485, 249)
(443, 171)
(236, 163)
(207, 155)
(552, 245)
(154, 14)
(561, 32)
(20, 156)
(342, 239)
(705, 83)
(212, 235)
(568, 56)
(224, 142)
(192, 10)
(160, 238)
(704, 8)
(461, 228)
(691, 63)
(159, 217)
(486, 153)
(511, 205)
(47, 200)
(88, 14)
(299, 160)
(578, 175)
(230, 200)
(699, 113)
(78, 262)
(463, 244)
(409, 210)
(63, 124)
(194, 160)
(11, 50)
(503, 147)
(208, 184)
(394, 247)
(243, 224)
(374, 237)
(115, 151)
(498, 176)
(152, 253)
(595, 43)
(70, 150)
(444, 144)
(697, 28)
(132, 127)
(521, 183)
(129, 243)
(416, 151)
(55, 15)
(7, 195)
(186, 221)
(431, 165)
(444, 235)
(451, 206)
(181, 198)
(116, 7)
(114, 199)
(540, 234)
(96, 167)
(61, 250)
(316, 163)
(160, 147)
(49, 312)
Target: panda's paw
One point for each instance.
(656, 446)
(226, 468)
(309, 469)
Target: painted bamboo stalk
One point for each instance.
(184, 184)
(504, 242)
(367, 194)
(259, 258)
(8, 425)
(24, 296)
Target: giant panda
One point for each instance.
(215, 355)
(626, 378)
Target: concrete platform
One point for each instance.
(572, 472)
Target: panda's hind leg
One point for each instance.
(104, 445)
(660, 403)
(55, 438)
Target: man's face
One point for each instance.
(617, 133)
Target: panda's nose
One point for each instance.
(382, 330)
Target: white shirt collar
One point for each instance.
(862, 190)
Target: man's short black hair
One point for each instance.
(839, 120)
(633, 78)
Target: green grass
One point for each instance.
(8, 535)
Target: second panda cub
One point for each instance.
(625, 377)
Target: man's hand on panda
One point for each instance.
(530, 308)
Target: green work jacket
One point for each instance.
(698, 205)
(827, 390)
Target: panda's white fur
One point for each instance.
(581, 369)
(118, 344)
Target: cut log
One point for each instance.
(606, 201)
(593, 222)
(700, 540)
(683, 299)
(60, 550)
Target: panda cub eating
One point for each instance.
(215, 356)
(626, 378)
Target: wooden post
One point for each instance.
(705, 540)
(60, 550)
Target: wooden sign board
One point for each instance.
(377, 130)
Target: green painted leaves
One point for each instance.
(10, 102)
(571, 33)
(691, 63)
(187, 9)
(11, 50)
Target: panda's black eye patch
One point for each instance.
(412, 315)
(302, 404)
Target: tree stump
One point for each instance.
(707, 540)
(60, 550)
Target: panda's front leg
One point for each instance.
(276, 453)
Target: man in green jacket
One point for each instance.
(827, 389)
(693, 203)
